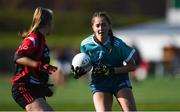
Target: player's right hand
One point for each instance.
(102, 70)
(77, 72)
(47, 68)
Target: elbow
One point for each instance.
(133, 68)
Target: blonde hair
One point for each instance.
(41, 18)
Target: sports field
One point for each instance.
(152, 94)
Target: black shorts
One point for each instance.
(24, 93)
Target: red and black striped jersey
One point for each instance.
(33, 46)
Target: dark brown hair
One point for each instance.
(107, 18)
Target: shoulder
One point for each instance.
(87, 40)
(31, 38)
(118, 41)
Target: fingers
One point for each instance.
(72, 67)
(49, 68)
(101, 70)
(52, 68)
(74, 72)
(77, 71)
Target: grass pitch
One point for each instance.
(158, 94)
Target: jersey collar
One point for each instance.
(105, 43)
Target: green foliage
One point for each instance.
(11, 40)
(120, 21)
(15, 21)
(66, 22)
(158, 94)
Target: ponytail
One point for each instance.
(41, 18)
(110, 33)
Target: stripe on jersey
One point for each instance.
(32, 39)
(25, 93)
(130, 55)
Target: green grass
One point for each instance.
(158, 94)
(152, 94)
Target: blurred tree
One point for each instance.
(128, 7)
(10, 4)
(79, 12)
(32, 4)
(155, 8)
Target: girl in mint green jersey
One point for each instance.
(112, 59)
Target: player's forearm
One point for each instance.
(131, 66)
(27, 61)
(124, 69)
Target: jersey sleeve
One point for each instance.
(82, 49)
(84, 44)
(126, 52)
(26, 49)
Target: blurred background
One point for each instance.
(152, 27)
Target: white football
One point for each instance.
(82, 60)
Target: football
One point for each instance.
(82, 60)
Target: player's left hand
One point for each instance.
(102, 70)
(77, 72)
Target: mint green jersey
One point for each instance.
(112, 55)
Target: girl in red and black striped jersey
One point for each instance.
(30, 82)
